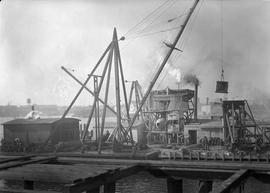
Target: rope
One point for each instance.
(184, 42)
(155, 18)
(145, 18)
(157, 32)
(221, 36)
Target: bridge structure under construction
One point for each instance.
(84, 173)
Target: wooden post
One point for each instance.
(174, 185)
(104, 109)
(117, 91)
(108, 61)
(86, 81)
(87, 89)
(109, 188)
(28, 185)
(205, 186)
(95, 190)
(172, 47)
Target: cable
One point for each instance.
(156, 14)
(155, 18)
(161, 31)
(145, 18)
(175, 55)
(183, 43)
(221, 34)
(167, 21)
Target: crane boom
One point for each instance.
(172, 47)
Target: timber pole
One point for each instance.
(86, 81)
(117, 88)
(124, 86)
(108, 61)
(86, 88)
(130, 94)
(152, 83)
(104, 109)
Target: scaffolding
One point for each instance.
(241, 130)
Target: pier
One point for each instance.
(88, 174)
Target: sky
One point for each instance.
(38, 37)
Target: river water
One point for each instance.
(140, 183)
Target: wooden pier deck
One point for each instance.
(78, 174)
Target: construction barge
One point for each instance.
(171, 141)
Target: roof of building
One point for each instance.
(35, 121)
(212, 125)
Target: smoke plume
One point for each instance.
(191, 79)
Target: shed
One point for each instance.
(39, 131)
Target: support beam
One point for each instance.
(152, 83)
(109, 188)
(205, 186)
(40, 160)
(86, 81)
(92, 183)
(192, 173)
(3, 190)
(108, 61)
(104, 109)
(27, 157)
(28, 185)
(174, 185)
(95, 190)
(86, 88)
(233, 182)
(117, 91)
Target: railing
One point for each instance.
(210, 156)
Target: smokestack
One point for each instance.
(196, 102)
(192, 79)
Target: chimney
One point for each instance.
(196, 102)
(207, 100)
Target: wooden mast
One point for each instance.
(172, 47)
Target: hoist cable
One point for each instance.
(145, 18)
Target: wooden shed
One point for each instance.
(40, 131)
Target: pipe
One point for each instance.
(196, 102)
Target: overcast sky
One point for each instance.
(38, 37)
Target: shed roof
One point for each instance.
(35, 121)
(212, 125)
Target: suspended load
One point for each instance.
(222, 86)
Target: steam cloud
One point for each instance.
(175, 73)
(191, 79)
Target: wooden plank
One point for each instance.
(106, 178)
(4, 190)
(39, 160)
(95, 190)
(171, 163)
(205, 186)
(174, 185)
(109, 187)
(28, 185)
(56, 173)
(190, 173)
(16, 159)
(232, 182)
